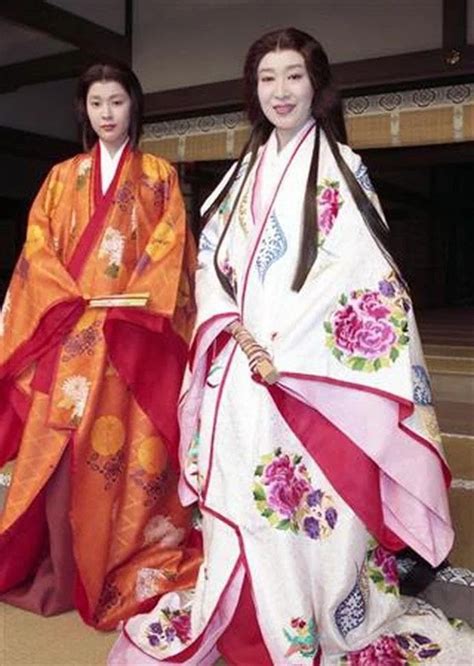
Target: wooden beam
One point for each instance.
(454, 24)
(29, 144)
(49, 68)
(405, 71)
(67, 27)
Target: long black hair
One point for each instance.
(109, 71)
(327, 110)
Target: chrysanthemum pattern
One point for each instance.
(302, 637)
(112, 249)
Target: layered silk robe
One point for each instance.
(309, 486)
(99, 384)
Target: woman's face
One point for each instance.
(108, 108)
(285, 92)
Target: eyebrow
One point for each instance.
(271, 69)
(114, 96)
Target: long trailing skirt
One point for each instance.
(322, 587)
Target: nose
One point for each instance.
(106, 111)
(280, 88)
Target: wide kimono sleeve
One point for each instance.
(41, 306)
(148, 346)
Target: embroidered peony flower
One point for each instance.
(182, 626)
(281, 469)
(385, 650)
(374, 339)
(286, 497)
(372, 305)
(347, 325)
(329, 204)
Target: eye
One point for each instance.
(118, 102)
(266, 78)
(295, 77)
(95, 104)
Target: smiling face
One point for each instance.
(108, 109)
(285, 92)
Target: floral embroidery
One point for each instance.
(427, 416)
(82, 342)
(83, 172)
(382, 569)
(162, 240)
(75, 391)
(284, 496)
(370, 328)
(111, 467)
(395, 649)
(109, 597)
(303, 638)
(329, 202)
(230, 273)
(125, 197)
(351, 611)
(153, 488)
(171, 625)
(422, 394)
(362, 175)
(112, 248)
(272, 247)
(4, 312)
(160, 190)
(148, 581)
(161, 530)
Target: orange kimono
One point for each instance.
(88, 393)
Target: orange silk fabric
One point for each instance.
(128, 525)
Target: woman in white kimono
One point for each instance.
(308, 433)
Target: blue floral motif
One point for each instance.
(351, 611)
(205, 244)
(273, 246)
(422, 394)
(362, 175)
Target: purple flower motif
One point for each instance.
(311, 527)
(153, 639)
(387, 564)
(331, 517)
(387, 288)
(429, 653)
(170, 634)
(314, 498)
(156, 628)
(403, 641)
(421, 640)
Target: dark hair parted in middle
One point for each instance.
(129, 82)
(327, 111)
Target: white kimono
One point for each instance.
(307, 487)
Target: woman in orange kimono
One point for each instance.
(93, 341)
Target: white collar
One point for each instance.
(108, 164)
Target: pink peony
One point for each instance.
(385, 650)
(182, 625)
(281, 469)
(387, 563)
(329, 208)
(372, 305)
(347, 326)
(285, 497)
(374, 339)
